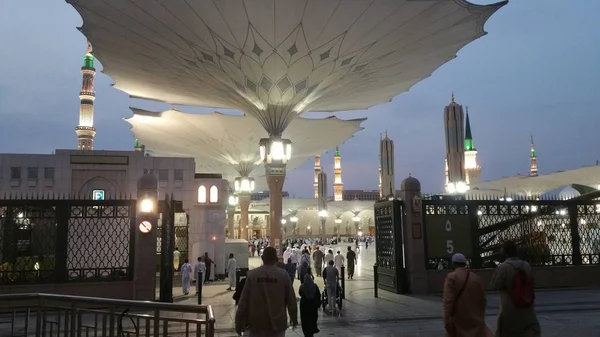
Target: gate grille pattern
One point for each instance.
(548, 232)
(60, 240)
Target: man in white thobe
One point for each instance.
(199, 267)
(230, 270)
(339, 262)
(176, 255)
(186, 276)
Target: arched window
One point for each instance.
(214, 194)
(202, 194)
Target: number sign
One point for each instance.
(448, 234)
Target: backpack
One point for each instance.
(521, 293)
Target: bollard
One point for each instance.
(199, 284)
(375, 280)
(343, 277)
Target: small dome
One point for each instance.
(411, 184)
(148, 182)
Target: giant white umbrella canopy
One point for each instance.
(226, 144)
(277, 59)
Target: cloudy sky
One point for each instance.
(536, 73)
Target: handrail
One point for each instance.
(110, 301)
(67, 312)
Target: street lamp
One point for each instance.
(233, 200)
(243, 187)
(275, 153)
(275, 150)
(147, 202)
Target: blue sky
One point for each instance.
(536, 73)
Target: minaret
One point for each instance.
(338, 185)
(455, 147)
(533, 170)
(472, 170)
(85, 130)
(317, 171)
(380, 190)
(386, 155)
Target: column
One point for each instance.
(275, 183)
(244, 206)
(230, 216)
(412, 228)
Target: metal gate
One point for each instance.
(389, 250)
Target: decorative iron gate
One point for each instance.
(57, 241)
(389, 248)
(548, 232)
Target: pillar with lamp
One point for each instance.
(243, 187)
(275, 153)
(356, 219)
(338, 223)
(322, 200)
(147, 220)
(294, 221)
(231, 206)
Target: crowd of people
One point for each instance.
(464, 302)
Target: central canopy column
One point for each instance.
(244, 206)
(275, 153)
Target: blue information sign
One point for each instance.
(98, 194)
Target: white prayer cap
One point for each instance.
(459, 258)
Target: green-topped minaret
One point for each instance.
(468, 136)
(533, 169)
(472, 169)
(85, 130)
(137, 146)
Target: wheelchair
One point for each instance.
(338, 296)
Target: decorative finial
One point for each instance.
(467, 108)
(90, 50)
(409, 174)
(386, 136)
(453, 97)
(531, 139)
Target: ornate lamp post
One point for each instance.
(233, 202)
(243, 187)
(275, 153)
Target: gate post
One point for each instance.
(145, 210)
(414, 245)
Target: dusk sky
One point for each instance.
(536, 73)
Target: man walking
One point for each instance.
(339, 262)
(209, 263)
(464, 302)
(514, 281)
(268, 288)
(351, 260)
(318, 256)
(199, 267)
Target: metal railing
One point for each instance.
(49, 315)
